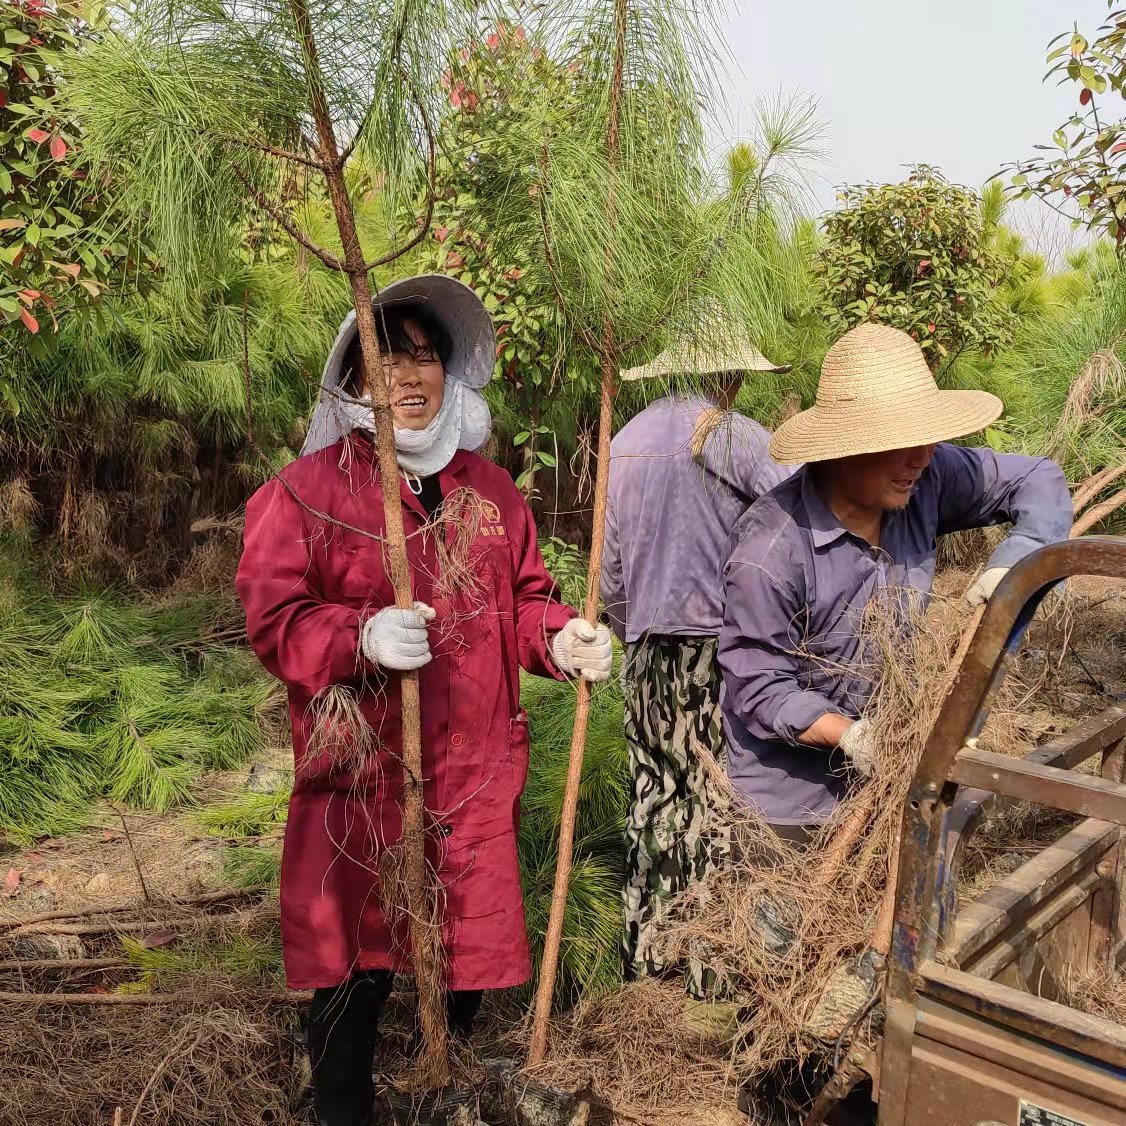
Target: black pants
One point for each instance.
(342, 1034)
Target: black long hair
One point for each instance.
(391, 332)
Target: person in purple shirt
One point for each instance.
(682, 472)
(880, 485)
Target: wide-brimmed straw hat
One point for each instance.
(876, 393)
(688, 359)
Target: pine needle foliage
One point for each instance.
(252, 959)
(249, 814)
(248, 866)
(203, 108)
(1062, 377)
(590, 963)
(133, 426)
(636, 243)
(100, 699)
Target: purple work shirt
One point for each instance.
(797, 578)
(669, 518)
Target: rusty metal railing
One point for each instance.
(956, 783)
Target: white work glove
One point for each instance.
(581, 649)
(857, 745)
(984, 585)
(396, 639)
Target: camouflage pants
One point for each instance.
(672, 706)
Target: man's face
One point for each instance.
(416, 384)
(884, 480)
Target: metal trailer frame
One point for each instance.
(970, 1038)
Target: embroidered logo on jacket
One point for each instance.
(491, 522)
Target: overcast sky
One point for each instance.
(956, 83)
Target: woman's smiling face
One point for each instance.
(416, 381)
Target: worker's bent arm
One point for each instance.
(828, 731)
(762, 674)
(303, 640)
(978, 487)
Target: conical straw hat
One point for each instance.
(697, 360)
(876, 393)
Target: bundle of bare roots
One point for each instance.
(1100, 383)
(452, 532)
(394, 902)
(341, 731)
(778, 925)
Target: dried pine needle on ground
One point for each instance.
(218, 1050)
(221, 1061)
(636, 1051)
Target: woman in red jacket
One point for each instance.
(321, 617)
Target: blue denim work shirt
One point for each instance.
(798, 580)
(669, 516)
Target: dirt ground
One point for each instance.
(104, 865)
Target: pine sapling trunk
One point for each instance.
(549, 965)
(434, 1064)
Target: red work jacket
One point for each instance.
(308, 583)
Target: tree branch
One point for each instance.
(285, 222)
(1099, 512)
(273, 150)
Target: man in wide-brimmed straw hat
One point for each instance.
(682, 472)
(880, 484)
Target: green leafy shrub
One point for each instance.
(567, 566)
(918, 256)
(1083, 172)
(60, 243)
